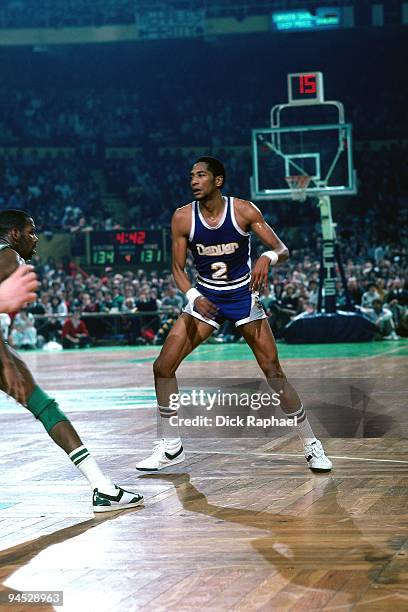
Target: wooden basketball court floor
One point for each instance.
(242, 524)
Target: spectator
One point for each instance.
(289, 300)
(5, 323)
(382, 317)
(171, 299)
(74, 332)
(313, 293)
(23, 333)
(369, 296)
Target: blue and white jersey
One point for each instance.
(222, 254)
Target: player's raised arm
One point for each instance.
(277, 251)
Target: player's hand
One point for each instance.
(14, 382)
(259, 278)
(18, 289)
(205, 308)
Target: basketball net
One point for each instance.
(298, 184)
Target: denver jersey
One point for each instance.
(222, 257)
(222, 253)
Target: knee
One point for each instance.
(161, 369)
(45, 409)
(29, 383)
(271, 368)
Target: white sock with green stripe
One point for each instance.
(87, 465)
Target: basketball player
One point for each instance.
(17, 244)
(217, 231)
(18, 289)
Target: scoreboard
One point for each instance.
(127, 248)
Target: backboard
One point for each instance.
(323, 152)
(307, 137)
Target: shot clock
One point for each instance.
(305, 88)
(127, 248)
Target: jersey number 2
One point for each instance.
(220, 270)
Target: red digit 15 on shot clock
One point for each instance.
(305, 88)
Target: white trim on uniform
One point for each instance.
(224, 287)
(255, 206)
(234, 221)
(257, 312)
(192, 229)
(188, 309)
(249, 262)
(223, 282)
(220, 222)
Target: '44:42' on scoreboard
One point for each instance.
(127, 248)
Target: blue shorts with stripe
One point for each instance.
(237, 305)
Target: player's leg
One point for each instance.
(259, 337)
(188, 333)
(107, 496)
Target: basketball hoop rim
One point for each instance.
(298, 184)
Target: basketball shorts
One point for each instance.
(237, 305)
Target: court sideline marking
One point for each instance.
(255, 454)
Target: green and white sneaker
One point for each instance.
(102, 502)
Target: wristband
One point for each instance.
(192, 294)
(273, 256)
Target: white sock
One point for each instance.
(302, 428)
(87, 465)
(169, 433)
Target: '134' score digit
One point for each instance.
(103, 257)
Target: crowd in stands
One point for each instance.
(82, 105)
(79, 309)
(63, 194)
(59, 192)
(122, 117)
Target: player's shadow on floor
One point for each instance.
(14, 558)
(297, 557)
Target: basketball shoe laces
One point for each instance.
(159, 447)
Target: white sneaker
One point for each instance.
(316, 458)
(160, 458)
(102, 502)
(392, 336)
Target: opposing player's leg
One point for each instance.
(259, 337)
(106, 495)
(188, 333)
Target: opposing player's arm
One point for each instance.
(180, 230)
(253, 221)
(18, 289)
(12, 378)
(8, 263)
